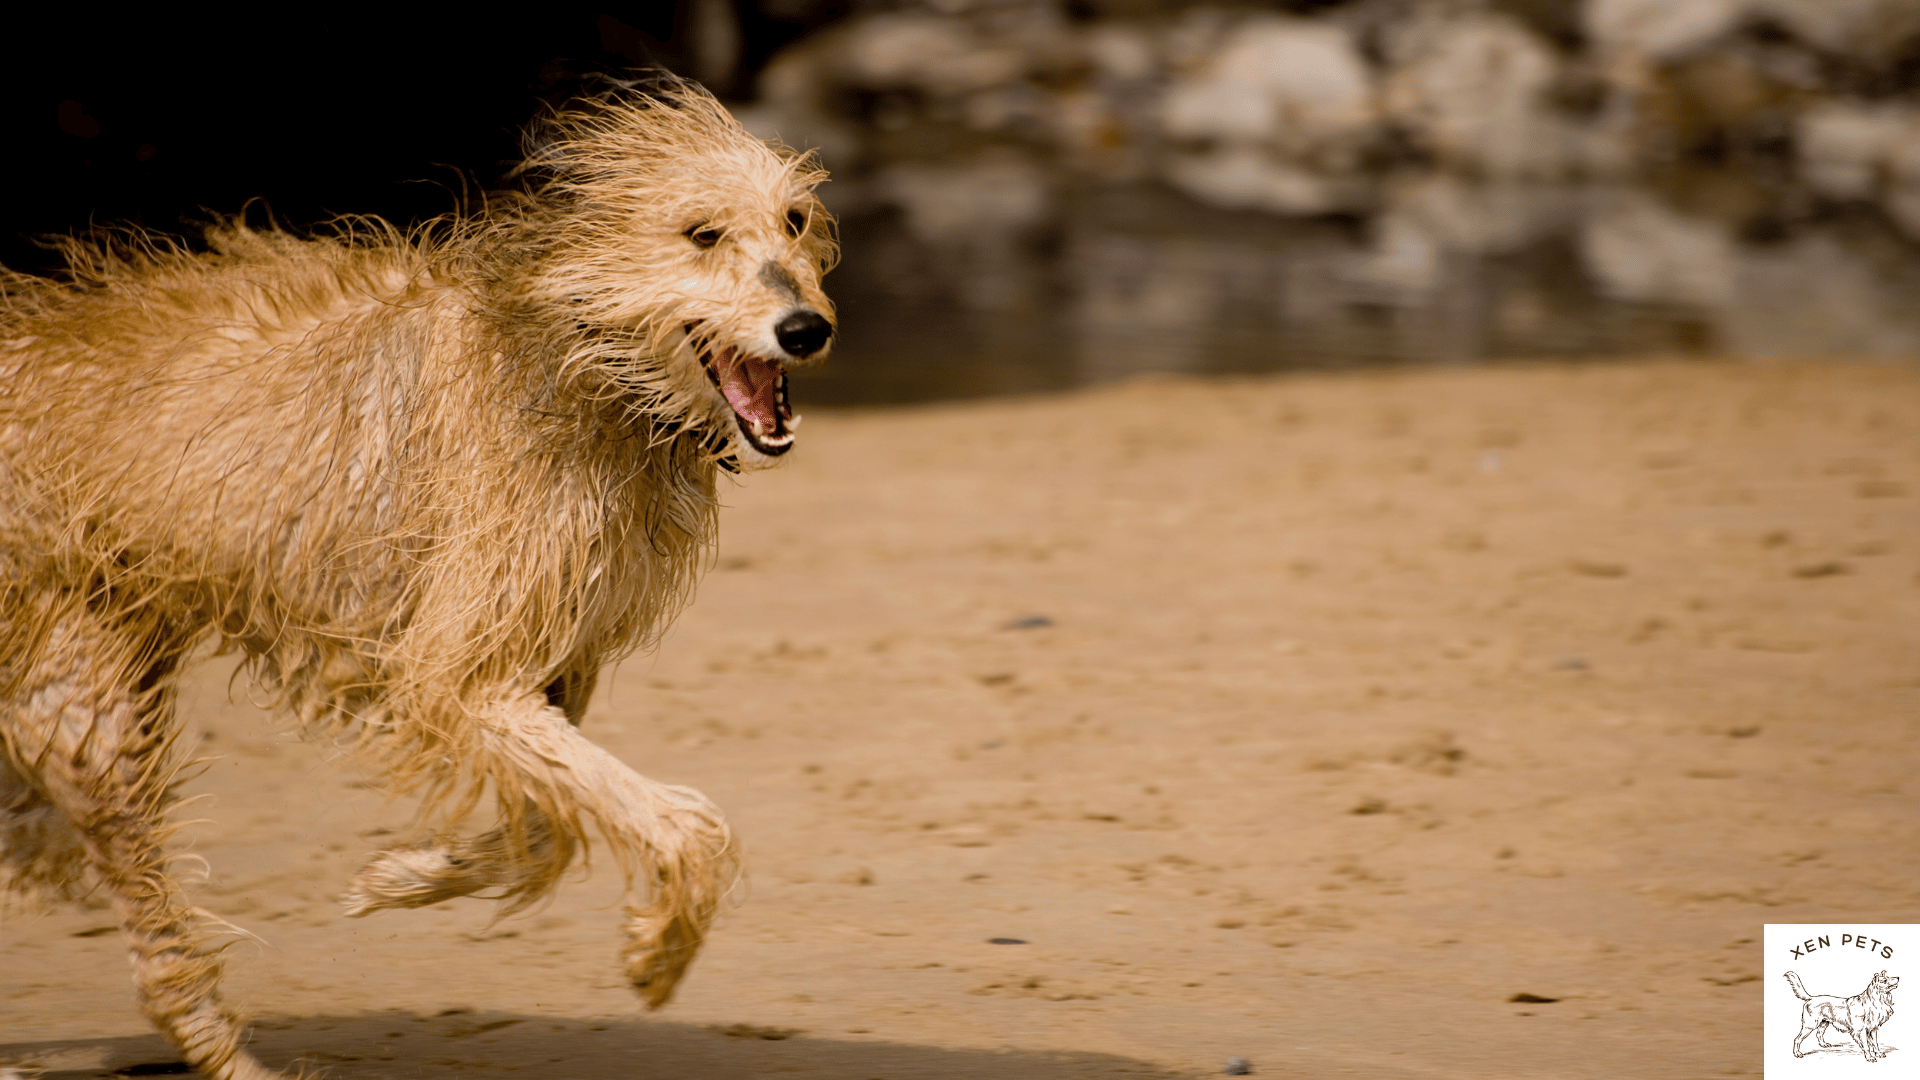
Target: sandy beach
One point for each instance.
(1306, 719)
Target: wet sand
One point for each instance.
(1307, 720)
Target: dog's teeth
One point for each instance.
(758, 427)
(793, 422)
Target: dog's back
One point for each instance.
(172, 399)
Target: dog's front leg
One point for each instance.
(670, 839)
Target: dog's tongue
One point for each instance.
(751, 386)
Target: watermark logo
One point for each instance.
(1829, 998)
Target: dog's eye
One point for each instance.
(796, 223)
(704, 235)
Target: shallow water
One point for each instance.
(1131, 281)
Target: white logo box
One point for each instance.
(1840, 961)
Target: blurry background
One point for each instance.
(1045, 193)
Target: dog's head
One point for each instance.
(1883, 983)
(688, 255)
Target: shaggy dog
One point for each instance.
(1860, 1016)
(427, 485)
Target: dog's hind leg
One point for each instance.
(446, 867)
(40, 853)
(92, 724)
(443, 868)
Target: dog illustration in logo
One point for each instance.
(1859, 1016)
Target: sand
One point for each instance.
(1306, 720)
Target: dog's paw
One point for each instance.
(659, 948)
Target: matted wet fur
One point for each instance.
(428, 485)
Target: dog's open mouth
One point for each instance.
(757, 390)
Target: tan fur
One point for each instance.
(427, 484)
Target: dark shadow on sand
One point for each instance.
(395, 1044)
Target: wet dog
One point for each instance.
(427, 484)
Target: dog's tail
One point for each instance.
(1798, 990)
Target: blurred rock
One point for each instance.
(1122, 52)
(1297, 84)
(1641, 250)
(1483, 218)
(1870, 31)
(1473, 92)
(1248, 178)
(924, 51)
(1865, 152)
(1279, 119)
(1844, 145)
(1427, 219)
(1307, 115)
(1660, 29)
(1404, 255)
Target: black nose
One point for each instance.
(803, 332)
